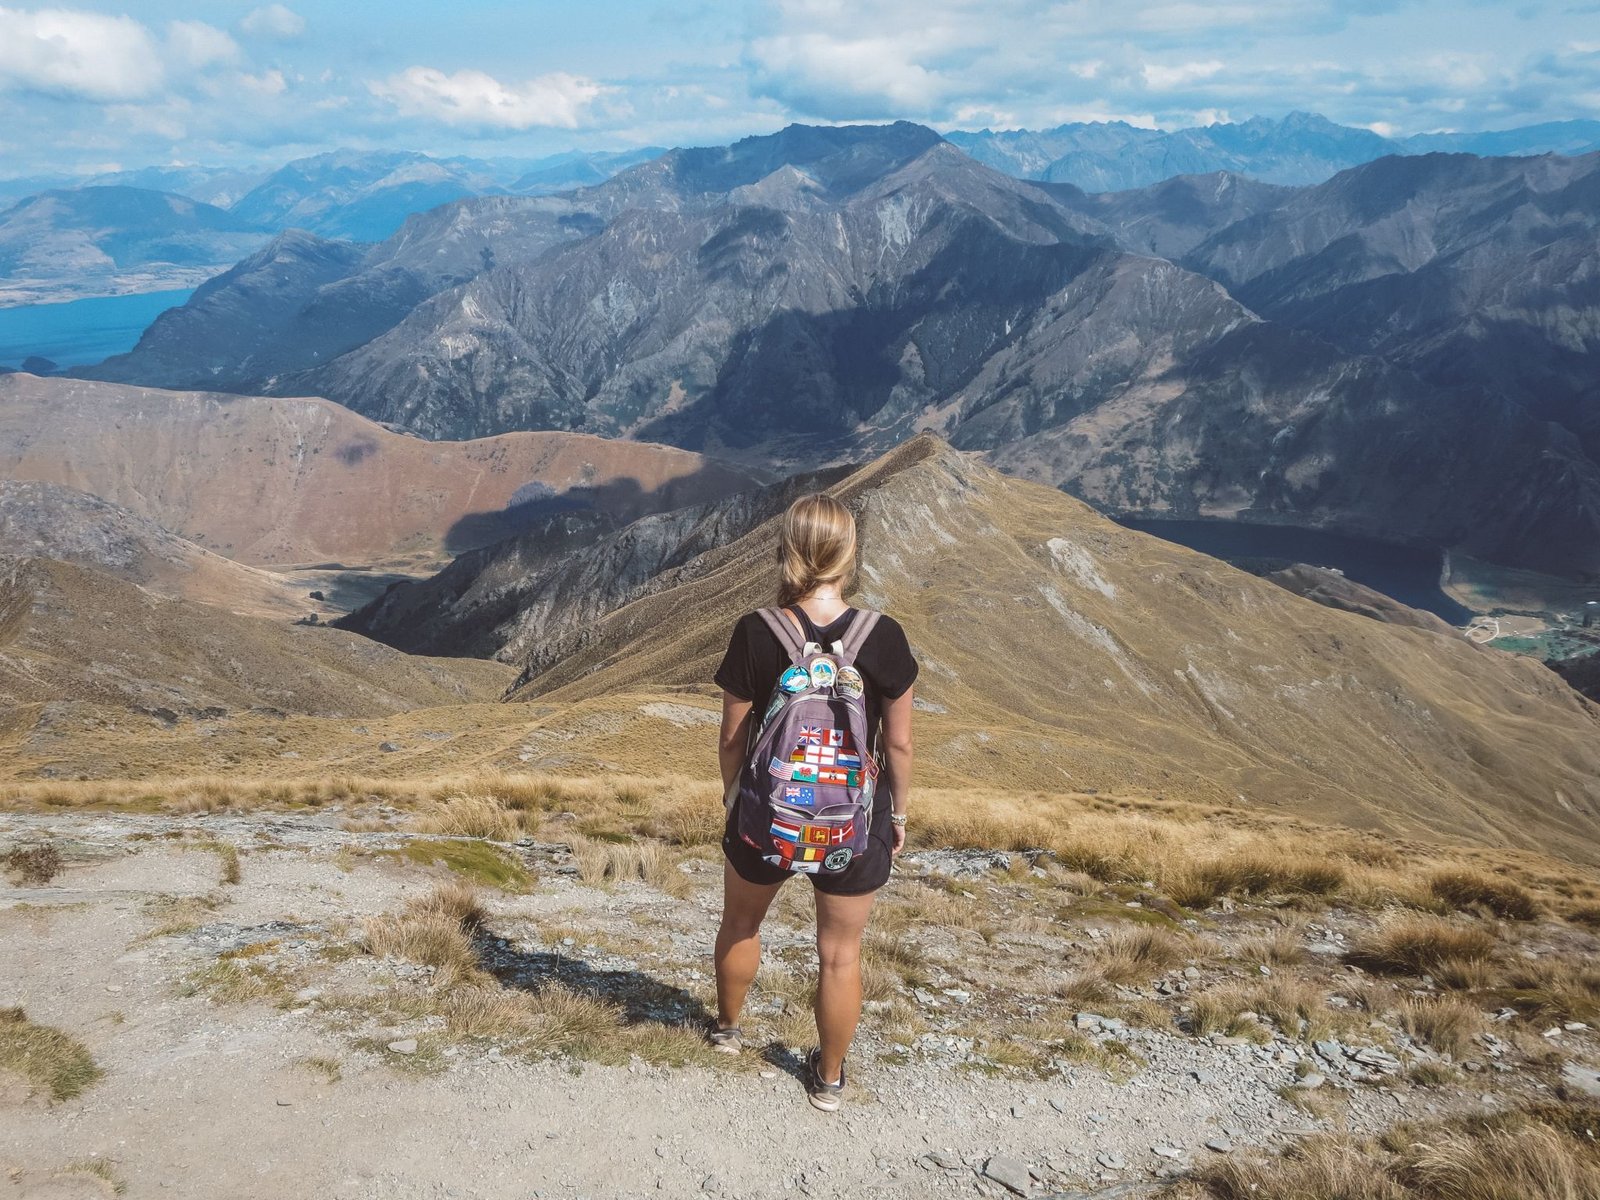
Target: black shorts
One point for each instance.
(867, 872)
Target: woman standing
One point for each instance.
(816, 568)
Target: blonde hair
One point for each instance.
(816, 545)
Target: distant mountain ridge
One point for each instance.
(163, 227)
(1301, 148)
(104, 238)
(881, 282)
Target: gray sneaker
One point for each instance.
(824, 1096)
(725, 1041)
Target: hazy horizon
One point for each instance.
(89, 89)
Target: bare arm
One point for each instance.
(897, 756)
(735, 738)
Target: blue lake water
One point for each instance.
(79, 332)
(1409, 574)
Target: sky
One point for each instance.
(107, 86)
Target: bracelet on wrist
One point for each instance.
(898, 819)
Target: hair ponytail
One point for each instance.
(816, 546)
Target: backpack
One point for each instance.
(805, 795)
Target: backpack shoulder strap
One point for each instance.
(856, 634)
(789, 637)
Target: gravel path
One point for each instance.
(203, 1099)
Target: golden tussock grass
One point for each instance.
(54, 1062)
(1467, 889)
(477, 816)
(1447, 1023)
(1298, 1007)
(603, 863)
(434, 930)
(1422, 945)
(1281, 947)
(1136, 956)
(1552, 988)
(1536, 1154)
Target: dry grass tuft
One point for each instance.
(1327, 1168)
(1526, 1159)
(1284, 873)
(1130, 956)
(1296, 1006)
(435, 930)
(50, 1060)
(1553, 989)
(604, 863)
(478, 815)
(33, 866)
(1282, 947)
(557, 1020)
(1536, 1154)
(100, 1169)
(1447, 1023)
(1468, 889)
(1423, 946)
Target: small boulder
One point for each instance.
(1010, 1173)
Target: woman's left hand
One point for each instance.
(899, 832)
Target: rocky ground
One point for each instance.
(253, 1046)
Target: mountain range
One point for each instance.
(881, 282)
(167, 228)
(1301, 148)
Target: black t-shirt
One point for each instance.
(755, 659)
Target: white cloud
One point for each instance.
(196, 45)
(268, 83)
(1162, 78)
(848, 77)
(71, 53)
(273, 22)
(473, 98)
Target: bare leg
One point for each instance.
(738, 952)
(840, 923)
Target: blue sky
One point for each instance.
(96, 86)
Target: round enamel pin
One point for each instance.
(823, 672)
(795, 679)
(838, 860)
(850, 685)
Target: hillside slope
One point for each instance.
(265, 480)
(46, 520)
(68, 633)
(75, 240)
(1466, 270)
(1059, 649)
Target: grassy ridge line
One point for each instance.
(1194, 853)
